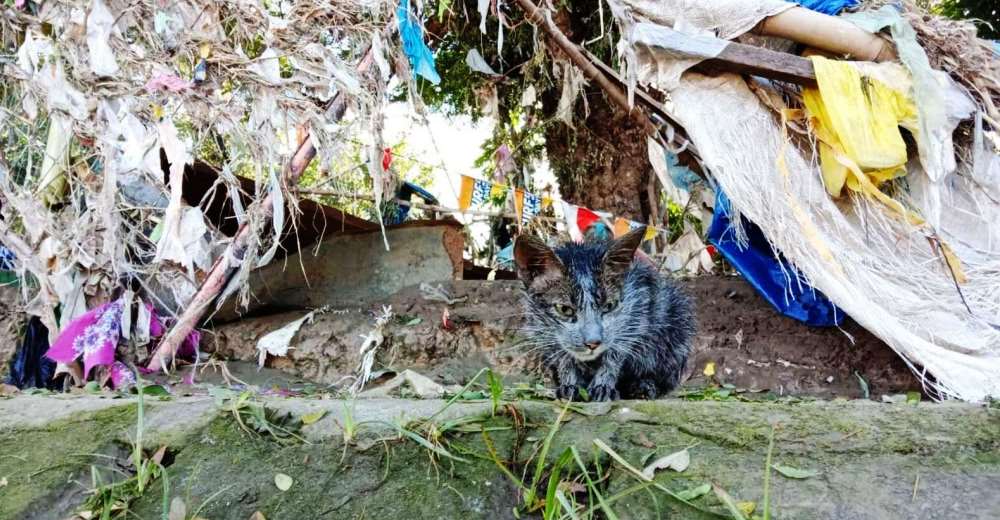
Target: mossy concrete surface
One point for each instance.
(871, 460)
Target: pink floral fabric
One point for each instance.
(121, 376)
(92, 337)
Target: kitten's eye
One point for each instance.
(610, 305)
(564, 310)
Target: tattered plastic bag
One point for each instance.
(768, 271)
(856, 120)
(278, 343)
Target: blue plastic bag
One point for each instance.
(412, 33)
(831, 7)
(773, 278)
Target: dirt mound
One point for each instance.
(750, 345)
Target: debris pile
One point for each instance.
(852, 159)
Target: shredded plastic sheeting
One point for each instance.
(98, 88)
(883, 272)
(929, 291)
(725, 19)
(929, 88)
(856, 121)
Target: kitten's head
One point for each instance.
(574, 297)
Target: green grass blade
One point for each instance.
(564, 502)
(458, 394)
(551, 503)
(165, 514)
(608, 512)
(767, 476)
(540, 462)
(425, 443)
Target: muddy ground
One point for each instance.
(751, 346)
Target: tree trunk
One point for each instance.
(601, 162)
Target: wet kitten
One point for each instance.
(603, 321)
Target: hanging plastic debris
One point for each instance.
(412, 33)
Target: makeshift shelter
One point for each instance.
(915, 261)
(897, 230)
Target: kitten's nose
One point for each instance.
(593, 344)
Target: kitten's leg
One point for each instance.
(644, 389)
(568, 378)
(604, 385)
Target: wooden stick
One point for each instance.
(722, 55)
(226, 265)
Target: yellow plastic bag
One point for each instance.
(857, 120)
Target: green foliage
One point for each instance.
(522, 62)
(987, 12)
(348, 174)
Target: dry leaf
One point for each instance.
(677, 461)
(157, 457)
(283, 482)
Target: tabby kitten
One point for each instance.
(602, 321)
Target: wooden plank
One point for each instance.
(719, 55)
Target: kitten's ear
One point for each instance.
(534, 258)
(621, 251)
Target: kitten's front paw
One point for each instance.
(567, 392)
(602, 393)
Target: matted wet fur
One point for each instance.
(603, 321)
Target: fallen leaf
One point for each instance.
(695, 492)
(709, 369)
(160, 453)
(178, 509)
(310, 418)
(283, 482)
(3, 482)
(791, 472)
(257, 516)
(677, 461)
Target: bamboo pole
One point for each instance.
(227, 264)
